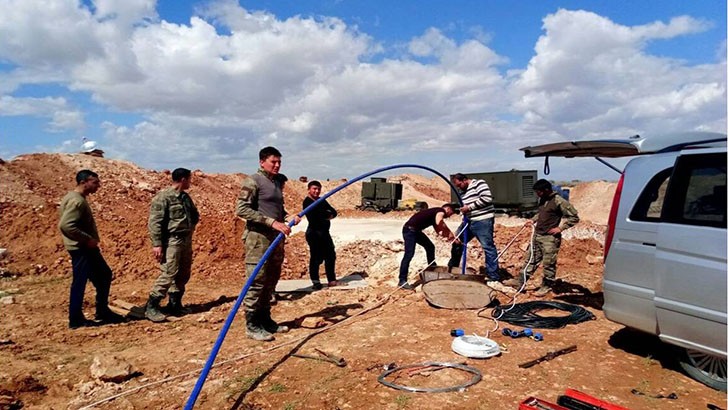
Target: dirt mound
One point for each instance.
(593, 200)
(31, 187)
(435, 191)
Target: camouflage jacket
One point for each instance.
(260, 201)
(553, 212)
(171, 213)
(76, 222)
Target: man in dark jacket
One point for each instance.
(319, 240)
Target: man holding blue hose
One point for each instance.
(478, 207)
(260, 203)
(413, 235)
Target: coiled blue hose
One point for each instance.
(231, 316)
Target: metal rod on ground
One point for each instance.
(231, 316)
(511, 242)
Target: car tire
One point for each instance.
(705, 368)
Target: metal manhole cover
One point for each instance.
(457, 293)
(443, 272)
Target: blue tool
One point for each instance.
(518, 333)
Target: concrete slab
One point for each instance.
(349, 282)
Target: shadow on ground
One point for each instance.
(578, 295)
(331, 314)
(645, 345)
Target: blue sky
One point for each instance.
(344, 87)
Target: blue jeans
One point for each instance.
(412, 238)
(483, 230)
(89, 265)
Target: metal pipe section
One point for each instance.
(231, 316)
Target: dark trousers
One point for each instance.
(322, 250)
(89, 265)
(412, 238)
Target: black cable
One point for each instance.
(525, 314)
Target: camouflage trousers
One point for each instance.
(176, 266)
(545, 251)
(264, 285)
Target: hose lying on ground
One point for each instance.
(525, 314)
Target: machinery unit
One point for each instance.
(512, 190)
(380, 195)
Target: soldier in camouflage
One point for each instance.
(555, 214)
(260, 203)
(172, 221)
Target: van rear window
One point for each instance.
(697, 195)
(648, 207)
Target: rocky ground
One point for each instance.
(139, 365)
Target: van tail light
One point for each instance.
(613, 217)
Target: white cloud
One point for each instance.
(47, 33)
(590, 74)
(61, 115)
(213, 90)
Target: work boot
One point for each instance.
(152, 311)
(515, 283)
(254, 330)
(317, 286)
(175, 306)
(406, 286)
(107, 316)
(79, 321)
(545, 288)
(270, 325)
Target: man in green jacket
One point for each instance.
(81, 240)
(555, 215)
(260, 203)
(172, 221)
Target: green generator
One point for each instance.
(512, 191)
(380, 195)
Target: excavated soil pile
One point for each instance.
(31, 187)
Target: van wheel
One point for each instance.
(705, 368)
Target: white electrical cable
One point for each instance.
(523, 284)
(475, 347)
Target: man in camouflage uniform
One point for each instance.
(172, 220)
(81, 239)
(555, 214)
(260, 203)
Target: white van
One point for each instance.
(665, 249)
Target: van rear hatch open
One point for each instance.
(636, 145)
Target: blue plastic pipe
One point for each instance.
(231, 316)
